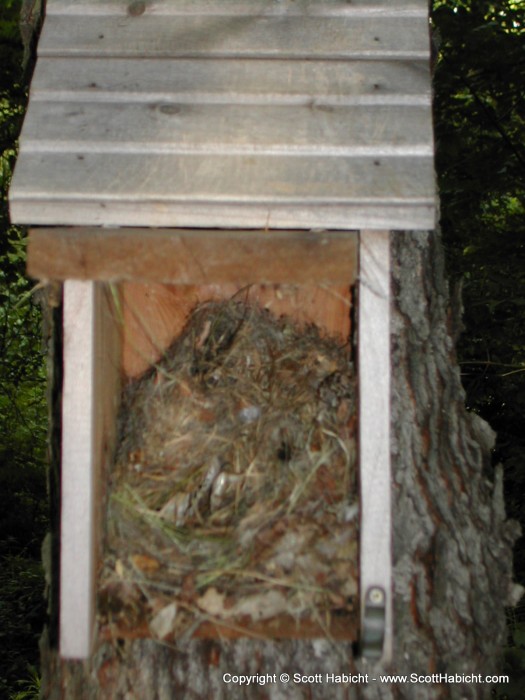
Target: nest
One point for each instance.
(233, 498)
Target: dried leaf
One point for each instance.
(236, 472)
(144, 563)
(212, 602)
(163, 624)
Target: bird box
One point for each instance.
(177, 151)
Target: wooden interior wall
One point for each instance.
(155, 314)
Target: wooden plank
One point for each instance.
(155, 314)
(301, 180)
(167, 128)
(231, 81)
(193, 257)
(254, 191)
(48, 210)
(235, 7)
(163, 139)
(374, 359)
(89, 406)
(339, 627)
(375, 36)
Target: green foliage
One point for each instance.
(13, 93)
(23, 413)
(514, 659)
(480, 159)
(22, 370)
(22, 614)
(10, 45)
(30, 688)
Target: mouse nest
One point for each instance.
(233, 498)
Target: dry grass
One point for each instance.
(234, 492)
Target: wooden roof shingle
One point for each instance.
(229, 113)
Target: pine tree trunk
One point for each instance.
(452, 546)
(452, 543)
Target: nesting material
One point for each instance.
(233, 499)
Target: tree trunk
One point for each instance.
(452, 546)
(452, 543)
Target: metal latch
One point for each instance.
(374, 624)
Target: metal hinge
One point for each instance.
(374, 624)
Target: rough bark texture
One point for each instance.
(452, 544)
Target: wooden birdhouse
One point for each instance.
(181, 151)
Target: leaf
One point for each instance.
(163, 624)
(145, 564)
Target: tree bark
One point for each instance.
(452, 545)
(452, 542)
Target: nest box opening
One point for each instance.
(236, 446)
(233, 507)
(250, 493)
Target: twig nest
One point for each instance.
(235, 474)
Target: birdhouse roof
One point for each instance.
(229, 114)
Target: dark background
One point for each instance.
(479, 117)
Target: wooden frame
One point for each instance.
(89, 406)
(182, 256)
(93, 363)
(374, 358)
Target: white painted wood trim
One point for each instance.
(78, 488)
(374, 423)
(89, 403)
